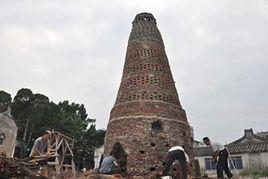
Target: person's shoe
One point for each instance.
(230, 175)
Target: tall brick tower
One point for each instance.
(147, 118)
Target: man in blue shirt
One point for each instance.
(109, 165)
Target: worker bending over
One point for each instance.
(220, 156)
(177, 153)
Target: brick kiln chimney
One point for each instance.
(147, 118)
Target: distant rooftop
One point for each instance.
(248, 143)
(262, 134)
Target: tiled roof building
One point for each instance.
(249, 143)
(248, 152)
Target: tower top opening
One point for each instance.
(144, 16)
(144, 29)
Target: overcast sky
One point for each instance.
(75, 50)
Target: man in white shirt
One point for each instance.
(42, 148)
(177, 153)
(220, 155)
(41, 145)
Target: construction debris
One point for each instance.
(28, 168)
(91, 174)
(12, 167)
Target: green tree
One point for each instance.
(74, 121)
(85, 147)
(74, 117)
(22, 110)
(34, 113)
(40, 106)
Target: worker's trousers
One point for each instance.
(222, 164)
(172, 156)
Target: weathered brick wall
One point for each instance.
(8, 130)
(147, 118)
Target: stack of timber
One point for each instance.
(19, 168)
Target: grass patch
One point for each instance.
(254, 173)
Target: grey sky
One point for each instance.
(75, 50)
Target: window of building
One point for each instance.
(210, 164)
(236, 162)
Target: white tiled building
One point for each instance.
(247, 152)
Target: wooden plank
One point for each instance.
(65, 136)
(70, 150)
(59, 145)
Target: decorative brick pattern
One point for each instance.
(147, 118)
(144, 28)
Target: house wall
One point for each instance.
(257, 160)
(251, 161)
(254, 160)
(97, 156)
(201, 160)
(264, 158)
(213, 173)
